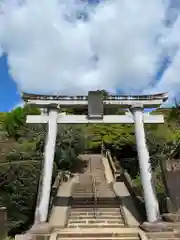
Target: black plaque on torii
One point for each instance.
(95, 105)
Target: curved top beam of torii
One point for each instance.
(29, 96)
(124, 101)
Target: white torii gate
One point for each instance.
(96, 104)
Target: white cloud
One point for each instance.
(49, 54)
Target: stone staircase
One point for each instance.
(93, 234)
(95, 210)
(87, 212)
(94, 213)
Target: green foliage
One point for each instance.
(65, 158)
(2, 117)
(15, 120)
(137, 183)
(22, 152)
(70, 143)
(20, 162)
(115, 135)
(18, 189)
(26, 150)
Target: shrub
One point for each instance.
(18, 190)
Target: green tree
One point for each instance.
(70, 143)
(15, 121)
(18, 190)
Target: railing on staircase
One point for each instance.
(94, 196)
(107, 154)
(94, 190)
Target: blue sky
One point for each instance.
(9, 96)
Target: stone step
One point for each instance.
(92, 205)
(92, 221)
(101, 238)
(97, 225)
(91, 211)
(95, 217)
(82, 194)
(92, 216)
(100, 217)
(81, 197)
(96, 233)
(164, 238)
(104, 206)
(83, 190)
(98, 200)
(78, 202)
(102, 195)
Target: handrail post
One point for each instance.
(94, 193)
(93, 188)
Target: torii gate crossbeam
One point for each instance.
(82, 119)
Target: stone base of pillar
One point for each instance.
(171, 217)
(23, 237)
(41, 228)
(158, 226)
(31, 237)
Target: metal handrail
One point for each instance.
(93, 188)
(95, 195)
(107, 154)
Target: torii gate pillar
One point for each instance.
(151, 204)
(48, 165)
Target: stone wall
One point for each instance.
(121, 175)
(134, 191)
(3, 222)
(171, 169)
